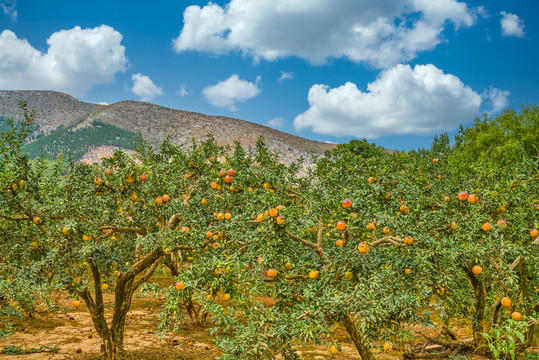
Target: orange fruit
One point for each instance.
(159, 200)
(228, 216)
(273, 212)
(387, 347)
(477, 269)
(371, 226)
(341, 225)
(86, 237)
(434, 160)
(386, 230)
(486, 226)
(472, 199)
(339, 242)
(333, 349)
(314, 274)
(231, 172)
(506, 302)
(363, 248)
(407, 271)
(165, 198)
(226, 297)
(346, 203)
(516, 316)
(143, 177)
(209, 297)
(36, 220)
(404, 209)
(463, 196)
(280, 220)
(272, 273)
(215, 245)
(260, 217)
(130, 179)
(65, 230)
(534, 233)
(214, 185)
(98, 181)
(179, 285)
(370, 180)
(75, 303)
(349, 275)
(502, 223)
(447, 198)
(228, 179)
(105, 287)
(287, 265)
(408, 240)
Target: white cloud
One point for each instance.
(497, 99)
(378, 32)
(276, 123)
(75, 61)
(402, 100)
(228, 92)
(144, 87)
(9, 8)
(512, 25)
(286, 76)
(182, 91)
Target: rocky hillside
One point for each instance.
(61, 111)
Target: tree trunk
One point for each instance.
(479, 313)
(356, 337)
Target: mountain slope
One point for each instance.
(58, 111)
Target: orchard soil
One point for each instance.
(72, 333)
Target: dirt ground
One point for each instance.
(71, 334)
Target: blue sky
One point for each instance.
(394, 72)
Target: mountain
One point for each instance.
(87, 129)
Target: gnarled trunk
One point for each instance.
(357, 339)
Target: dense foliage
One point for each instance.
(369, 241)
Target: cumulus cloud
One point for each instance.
(276, 123)
(378, 32)
(75, 61)
(512, 25)
(402, 100)
(9, 8)
(228, 92)
(497, 99)
(286, 76)
(144, 87)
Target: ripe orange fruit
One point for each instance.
(314, 274)
(447, 198)
(472, 199)
(341, 225)
(260, 217)
(105, 287)
(486, 227)
(287, 265)
(273, 212)
(179, 285)
(231, 172)
(143, 177)
(516, 316)
(371, 226)
(280, 220)
(477, 269)
(98, 181)
(333, 349)
(215, 245)
(404, 209)
(387, 347)
(185, 229)
(228, 216)
(36, 220)
(209, 234)
(75, 303)
(339, 242)
(349, 275)
(159, 200)
(363, 248)
(259, 259)
(506, 302)
(534, 233)
(130, 179)
(214, 185)
(386, 230)
(346, 203)
(407, 271)
(228, 179)
(502, 208)
(408, 240)
(209, 297)
(502, 223)
(166, 251)
(463, 196)
(226, 297)
(434, 160)
(440, 290)
(453, 224)
(370, 180)
(86, 237)
(165, 198)
(65, 230)
(204, 201)
(222, 172)
(272, 273)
